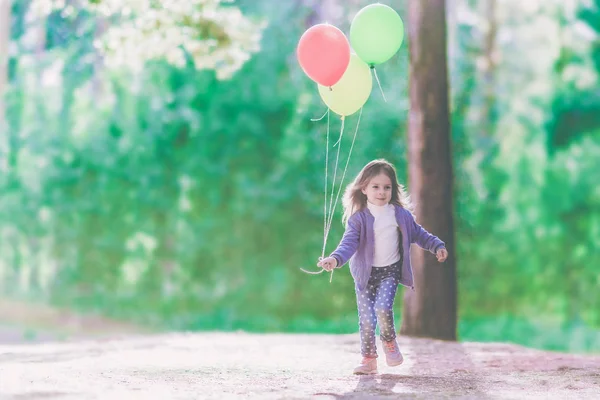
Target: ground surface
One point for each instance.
(277, 366)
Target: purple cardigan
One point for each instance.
(358, 245)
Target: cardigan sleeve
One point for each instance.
(349, 243)
(422, 238)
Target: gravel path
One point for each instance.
(282, 366)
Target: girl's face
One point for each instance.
(379, 190)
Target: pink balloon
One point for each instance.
(324, 54)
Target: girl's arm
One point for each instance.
(423, 238)
(349, 243)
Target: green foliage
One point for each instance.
(576, 105)
(171, 197)
(531, 332)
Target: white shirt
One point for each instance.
(387, 249)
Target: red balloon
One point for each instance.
(324, 54)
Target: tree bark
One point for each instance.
(488, 117)
(97, 79)
(431, 309)
(5, 7)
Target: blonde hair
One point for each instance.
(355, 200)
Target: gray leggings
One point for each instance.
(375, 304)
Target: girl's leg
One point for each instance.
(367, 320)
(384, 308)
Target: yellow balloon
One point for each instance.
(352, 91)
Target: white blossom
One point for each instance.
(213, 35)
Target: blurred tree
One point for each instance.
(576, 103)
(573, 129)
(5, 24)
(489, 67)
(431, 309)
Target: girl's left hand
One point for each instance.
(441, 254)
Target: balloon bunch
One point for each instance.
(343, 77)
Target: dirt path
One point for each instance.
(23, 322)
(240, 365)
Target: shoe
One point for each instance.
(393, 357)
(367, 366)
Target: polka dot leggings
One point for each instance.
(375, 304)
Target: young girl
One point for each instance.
(379, 231)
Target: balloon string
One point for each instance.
(312, 272)
(342, 131)
(329, 218)
(331, 209)
(325, 192)
(325, 214)
(318, 119)
(333, 182)
(378, 83)
(342, 181)
(345, 169)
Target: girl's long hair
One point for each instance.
(355, 200)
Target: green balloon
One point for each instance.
(376, 33)
(352, 91)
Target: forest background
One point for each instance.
(174, 181)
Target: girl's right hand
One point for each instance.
(328, 263)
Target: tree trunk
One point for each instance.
(431, 309)
(97, 79)
(488, 117)
(330, 11)
(5, 7)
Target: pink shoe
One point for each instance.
(393, 357)
(368, 366)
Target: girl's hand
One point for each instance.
(441, 254)
(328, 263)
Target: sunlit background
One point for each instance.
(159, 166)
